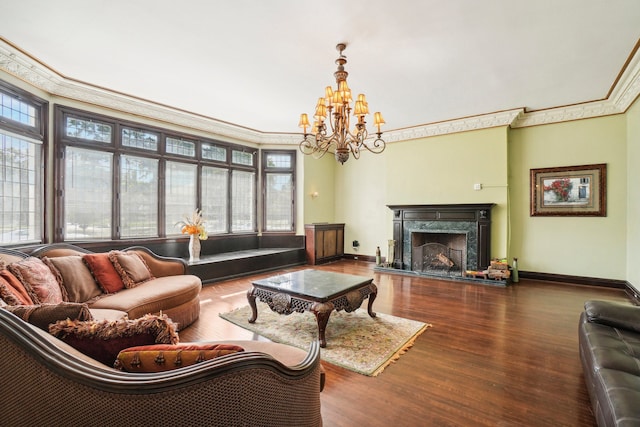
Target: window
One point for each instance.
(89, 130)
(87, 180)
(18, 111)
(215, 196)
(138, 197)
(214, 152)
(139, 139)
(22, 136)
(243, 206)
(181, 147)
(278, 185)
(180, 193)
(124, 180)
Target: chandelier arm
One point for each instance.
(377, 146)
(307, 146)
(355, 149)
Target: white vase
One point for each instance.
(194, 247)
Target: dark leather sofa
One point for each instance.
(609, 340)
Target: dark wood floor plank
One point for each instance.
(494, 357)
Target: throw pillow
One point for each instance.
(38, 280)
(131, 268)
(74, 275)
(12, 291)
(104, 272)
(103, 340)
(43, 315)
(164, 357)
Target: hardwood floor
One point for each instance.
(494, 356)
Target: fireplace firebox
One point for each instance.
(443, 240)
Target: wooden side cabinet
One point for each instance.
(324, 242)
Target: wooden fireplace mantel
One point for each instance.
(480, 214)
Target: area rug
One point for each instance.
(355, 341)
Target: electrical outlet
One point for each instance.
(477, 187)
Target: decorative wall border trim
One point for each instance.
(28, 69)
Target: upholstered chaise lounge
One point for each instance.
(46, 382)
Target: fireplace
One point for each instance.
(442, 240)
(439, 253)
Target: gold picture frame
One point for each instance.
(569, 191)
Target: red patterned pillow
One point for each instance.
(12, 291)
(38, 280)
(104, 272)
(164, 357)
(103, 340)
(131, 267)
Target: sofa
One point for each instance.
(155, 284)
(609, 342)
(47, 382)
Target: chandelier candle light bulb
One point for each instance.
(335, 108)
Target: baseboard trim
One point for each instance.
(577, 280)
(358, 257)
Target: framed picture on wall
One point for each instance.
(569, 191)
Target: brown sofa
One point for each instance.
(46, 382)
(171, 291)
(609, 343)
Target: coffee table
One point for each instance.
(317, 291)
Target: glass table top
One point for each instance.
(321, 285)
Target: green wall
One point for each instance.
(317, 176)
(443, 169)
(580, 246)
(436, 170)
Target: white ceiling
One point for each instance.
(259, 64)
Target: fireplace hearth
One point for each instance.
(442, 240)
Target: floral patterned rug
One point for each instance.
(355, 341)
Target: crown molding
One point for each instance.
(25, 68)
(623, 94)
(31, 71)
(485, 121)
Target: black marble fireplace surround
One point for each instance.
(463, 229)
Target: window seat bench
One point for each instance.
(228, 265)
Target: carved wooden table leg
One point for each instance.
(322, 312)
(252, 303)
(372, 298)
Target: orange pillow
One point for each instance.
(12, 291)
(104, 272)
(164, 357)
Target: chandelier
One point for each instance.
(335, 108)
